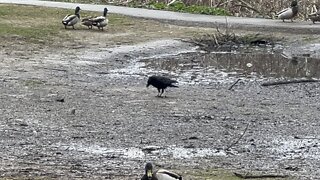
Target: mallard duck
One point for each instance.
(161, 174)
(161, 83)
(87, 22)
(101, 21)
(71, 19)
(290, 12)
(314, 17)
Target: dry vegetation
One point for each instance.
(246, 8)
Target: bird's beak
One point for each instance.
(149, 174)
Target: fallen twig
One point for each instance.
(288, 82)
(215, 39)
(234, 84)
(248, 176)
(298, 137)
(236, 142)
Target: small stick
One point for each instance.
(244, 176)
(234, 84)
(298, 137)
(236, 142)
(215, 39)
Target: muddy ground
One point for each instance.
(81, 110)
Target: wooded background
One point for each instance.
(244, 8)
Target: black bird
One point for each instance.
(161, 174)
(161, 83)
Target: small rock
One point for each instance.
(290, 168)
(149, 149)
(73, 111)
(193, 137)
(23, 124)
(60, 99)
(189, 146)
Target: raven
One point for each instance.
(161, 83)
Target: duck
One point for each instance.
(101, 21)
(290, 12)
(314, 17)
(161, 83)
(87, 22)
(160, 174)
(71, 19)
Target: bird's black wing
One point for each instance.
(165, 80)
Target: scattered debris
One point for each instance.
(230, 88)
(60, 99)
(230, 41)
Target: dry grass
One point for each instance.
(39, 25)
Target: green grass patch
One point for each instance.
(33, 82)
(40, 25)
(181, 7)
(221, 174)
(213, 175)
(31, 23)
(178, 6)
(30, 34)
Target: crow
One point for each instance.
(161, 83)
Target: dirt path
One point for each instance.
(119, 124)
(255, 24)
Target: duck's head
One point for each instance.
(105, 11)
(77, 9)
(148, 169)
(294, 3)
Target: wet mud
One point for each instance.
(87, 113)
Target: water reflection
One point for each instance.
(239, 64)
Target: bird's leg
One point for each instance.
(282, 20)
(291, 20)
(162, 90)
(72, 27)
(158, 93)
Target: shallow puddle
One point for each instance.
(218, 66)
(137, 153)
(254, 63)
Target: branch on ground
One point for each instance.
(240, 137)
(274, 83)
(249, 176)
